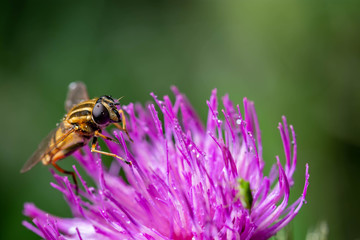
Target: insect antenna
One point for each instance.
(118, 100)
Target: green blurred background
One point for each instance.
(300, 59)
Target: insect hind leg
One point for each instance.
(68, 173)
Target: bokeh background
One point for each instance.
(299, 59)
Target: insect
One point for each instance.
(85, 119)
(245, 194)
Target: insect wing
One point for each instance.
(46, 146)
(77, 93)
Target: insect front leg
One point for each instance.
(93, 149)
(123, 126)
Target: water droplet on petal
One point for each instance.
(238, 121)
(92, 190)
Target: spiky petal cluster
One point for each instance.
(184, 180)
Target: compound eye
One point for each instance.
(100, 114)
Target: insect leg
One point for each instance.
(93, 149)
(98, 134)
(123, 127)
(69, 173)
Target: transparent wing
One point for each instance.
(46, 146)
(77, 93)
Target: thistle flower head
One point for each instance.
(188, 180)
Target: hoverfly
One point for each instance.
(85, 119)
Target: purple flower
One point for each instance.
(188, 181)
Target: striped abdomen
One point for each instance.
(63, 141)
